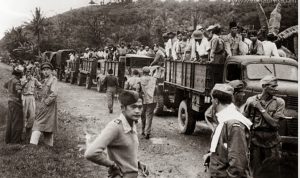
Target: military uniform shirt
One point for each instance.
(122, 143)
(264, 134)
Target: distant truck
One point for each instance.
(123, 68)
(59, 61)
(188, 85)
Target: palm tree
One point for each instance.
(37, 25)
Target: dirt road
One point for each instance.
(168, 153)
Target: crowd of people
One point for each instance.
(28, 90)
(244, 135)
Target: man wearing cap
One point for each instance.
(229, 148)
(46, 120)
(217, 45)
(120, 139)
(238, 98)
(14, 125)
(232, 40)
(199, 46)
(111, 84)
(29, 85)
(169, 45)
(148, 84)
(175, 47)
(265, 110)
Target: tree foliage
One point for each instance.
(141, 22)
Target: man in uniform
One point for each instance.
(120, 139)
(238, 98)
(28, 100)
(14, 123)
(111, 83)
(232, 40)
(148, 84)
(265, 110)
(229, 144)
(46, 120)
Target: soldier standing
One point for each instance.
(14, 125)
(28, 100)
(46, 120)
(111, 83)
(148, 84)
(120, 139)
(229, 145)
(265, 110)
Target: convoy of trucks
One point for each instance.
(185, 86)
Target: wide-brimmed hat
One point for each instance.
(197, 35)
(46, 65)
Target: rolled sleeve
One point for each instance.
(96, 151)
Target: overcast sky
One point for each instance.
(16, 12)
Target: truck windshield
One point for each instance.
(281, 71)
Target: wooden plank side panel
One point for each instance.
(188, 75)
(168, 71)
(179, 73)
(199, 78)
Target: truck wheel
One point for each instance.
(79, 79)
(185, 119)
(99, 85)
(88, 82)
(159, 106)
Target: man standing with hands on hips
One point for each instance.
(120, 139)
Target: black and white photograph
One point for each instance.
(149, 88)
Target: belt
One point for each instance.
(28, 94)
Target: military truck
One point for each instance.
(59, 61)
(123, 68)
(188, 86)
(88, 70)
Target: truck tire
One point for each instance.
(99, 85)
(79, 79)
(159, 105)
(185, 119)
(88, 82)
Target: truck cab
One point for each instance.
(188, 86)
(252, 69)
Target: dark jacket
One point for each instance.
(231, 156)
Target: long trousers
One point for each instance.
(29, 109)
(110, 94)
(258, 155)
(35, 137)
(147, 116)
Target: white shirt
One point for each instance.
(270, 49)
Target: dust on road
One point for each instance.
(168, 153)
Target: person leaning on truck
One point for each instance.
(134, 82)
(111, 83)
(148, 84)
(264, 110)
(120, 139)
(229, 145)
